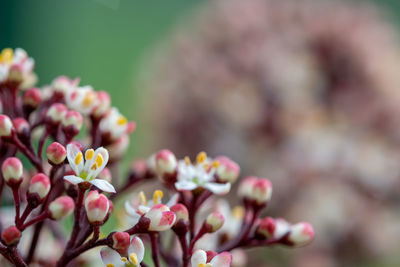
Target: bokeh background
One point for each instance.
(136, 51)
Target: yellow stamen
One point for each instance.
(99, 160)
(110, 265)
(187, 160)
(201, 157)
(94, 166)
(238, 212)
(88, 99)
(122, 120)
(157, 196)
(215, 163)
(133, 258)
(6, 55)
(142, 198)
(78, 158)
(124, 259)
(89, 154)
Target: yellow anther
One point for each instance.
(201, 157)
(201, 265)
(89, 154)
(187, 160)
(99, 160)
(238, 212)
(142, 198)
(122, 120)
(88, 99)
(78, 158)
(133, 258)
(215, 163)
(124, 259)
(110, 265)
(94, 166)
(206, 166)
(6, 55)
(157, 196)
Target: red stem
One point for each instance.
(154, 249)
(17, 204)
(77, 215)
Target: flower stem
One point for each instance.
(154, 249)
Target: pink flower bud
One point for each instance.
(72, 119)
(16, 73)
(301, 234)
(211, 255)
(257, 190)
(56, 153)
(273, 228)
(214, 222)
(61, 207)
(103, 104)
(56, 112)
(181, 212)
(21, 126)
(165, 162)
(6, 125)
(32, 98)
(11, 235)
(12, 170)
(228, 170)
(97, 207)
(161, 218)
(121, 240)
(246, 187)
(39, 186)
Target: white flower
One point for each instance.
(65, 85)
(115, 124)
(233, 218)
(199, 259)
(16, 65)
(87, 171)
(199, 175)
(82, 99)
(135, 255)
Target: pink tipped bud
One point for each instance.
(165, 162)
(21, 126)
(39, 187)
(12, 170)
(103, 104)
(73, 119)
(11, 235)
(97, 207)
(61, 207)
(181, 212)
(56, 153)
(214, 222)
(105, 174)
(32, 98)
(257, 190)
(6, 125)
(56, 112)
(228, 170)
(131, 127)
(246, 187)
(121, 240)
(273, 228)
(301, 234)
(161, 218)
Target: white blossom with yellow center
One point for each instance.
(88, 167)
(82, 99)
(134, 257)
(114, 123)
(199, 259)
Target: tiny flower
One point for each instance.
(61, 207)
(73, 119)
(200, 175)
(258, 190)
(32, 98)
(82, 99)
(103, 104)
(6, 125)
(134, 257)
(228, 170)
(12, 170)
(199, 259)
(233, 218)
(39, 187)
(21, 126)
(301, 234)
(97, 207)
(87, 171)
(56, 112)
(64, 85)
(165, 162)
(273, 228)
(115, 125)
(11, 235)
(121, 240)
(56, 153)
(161, 218)
(181, 212)
(15, 66)
(214, 222)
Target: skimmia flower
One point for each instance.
(87, 170)
(82, 99)
(199, 259)
(16, 66)
(200, 175)
(115, 124)
(134, 257)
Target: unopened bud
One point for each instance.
(32, 98)
(56, 112)
(301, 234)
(214, 222)
(56, 153)
(121, 240)
(73, 119)
(273, 228)
(11, 235)
(181, 212)
(103, 105)
(12, 170)
(21, 126)
(165, 162)
(61, 207)
(97, 207)
(6, 125)
(161, 218)
(39, 187)
(256, 190)
(228, 170)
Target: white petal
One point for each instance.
(223, 259)
(72, 151)
(219, 189)
(199, 256)
(73, 179)
(173, 200)
(129, 208)
(109, 255)
(137, 247)
(103, 185)
(185, 185)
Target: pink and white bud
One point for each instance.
(39, 186)
(21, 126)
(214, 222)
(61, 207)
(228, 170)
(121, 240)
(64, 84)
(165, 162)
(56, 112)
(273, 228)
(103, 104)
(32, 98)
(181, 212)
(11, 235)
(56, 153)
(246, 187)
(301, 234)
(6, 125)
(97, 207)
(262, 191)
(12, 170)
(72, 119)
(161, 218)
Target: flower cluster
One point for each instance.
(74, 178)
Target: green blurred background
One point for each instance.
(104, 42)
